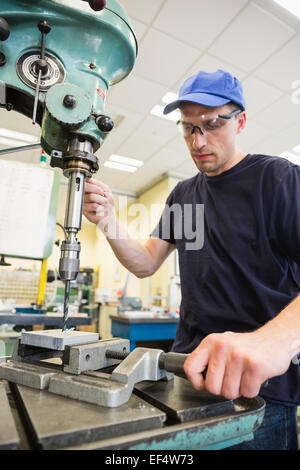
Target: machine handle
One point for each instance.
(96, 5)
(171, 362)
(4, 29)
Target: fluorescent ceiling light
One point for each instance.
(169, 97)
(18, 135)
(158, 111)
(120, 166)
(12, 143)
(293, 6)
(126, 160)
(292, 157)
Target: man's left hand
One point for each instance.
(237, 363)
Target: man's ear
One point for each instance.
(242, 119)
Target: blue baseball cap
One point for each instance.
(212, 89)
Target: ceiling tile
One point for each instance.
(259, 95)
(30, 156)
(148, 138)
(252, 134)
(8, 119)
(158, 129)
(210, 64)
(162, 58)
(110, 176)
(197, 22)
(178, 145)
(166, 160)
(125, 121)
(137, 94)
(141, 10)
(141, 149)
(279, 115)
(263, 28)
(283, 67)
(160, 163)
(110, 145)
(280, 142)
(139, 28)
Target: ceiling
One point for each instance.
(256, 40)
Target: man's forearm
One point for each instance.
(131, 254)
(238, 363)
(286, 328)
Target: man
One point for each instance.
(240, 311)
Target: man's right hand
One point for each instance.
(141, 260)
(99, 206)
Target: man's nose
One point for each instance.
(199, 139)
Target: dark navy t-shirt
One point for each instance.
(238, 241)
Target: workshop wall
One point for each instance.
(154, 200)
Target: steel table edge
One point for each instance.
(203, 434)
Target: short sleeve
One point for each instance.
(165, 227)
(285, 218)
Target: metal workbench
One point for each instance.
(28, 319)
(164, 415)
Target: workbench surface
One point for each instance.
(159, 415)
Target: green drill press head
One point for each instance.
(75, 53)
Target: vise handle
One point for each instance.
(170, 361)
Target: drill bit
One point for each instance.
(66, 304)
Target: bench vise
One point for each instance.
(83, 374)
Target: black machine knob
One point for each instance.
(4, 29)
(44, 27)
(97, 5)
(104, 123)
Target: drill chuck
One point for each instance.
(69, 261)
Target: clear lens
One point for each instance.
(206, 123)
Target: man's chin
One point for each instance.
(206, 167)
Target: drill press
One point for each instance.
(57, 61)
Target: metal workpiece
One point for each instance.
(57, 339)
(78, 359)
(35, 354)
